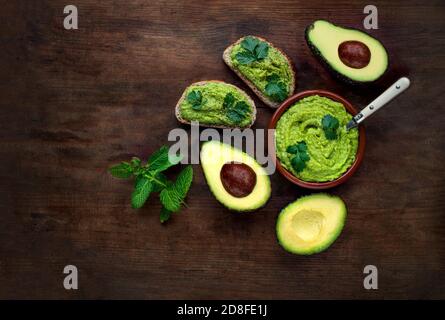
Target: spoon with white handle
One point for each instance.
(397, 88)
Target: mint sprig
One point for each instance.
(150, 178)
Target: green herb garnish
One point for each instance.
(300, 157)
(236, 111)
(254, 50)
(330, 125)
(195, 99)
(150, 178)
(275, 88)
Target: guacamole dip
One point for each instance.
(258, 71)
(328, 159)
(211, 110)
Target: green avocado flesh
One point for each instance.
(311, 224)
(212, 111)
(328, 159)
(258, 71)
(214, 155)
(325, 40)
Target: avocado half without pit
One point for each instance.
(352, 55)
(311, 224)
(235, 178)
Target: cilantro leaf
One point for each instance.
(330, 125)
(165, 215)
(254, 50)
(250, 43)
(234, 116)
(245, 57)
(298, 163)
(229, 100)
(239, 112)
(275, 88)
(122, 170)
(236, 111)
(300, 157)
(142, 190)
(299, 147)
(261, 50)
(195, 99)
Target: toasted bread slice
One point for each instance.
(227, 59)
(202, 83)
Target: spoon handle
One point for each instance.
(393, 91)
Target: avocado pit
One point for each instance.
(354, 54)
(238, 179)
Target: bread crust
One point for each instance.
(202, 83)
(266, 100)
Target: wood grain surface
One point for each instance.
(74, 102)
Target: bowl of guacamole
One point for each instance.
(311, 145)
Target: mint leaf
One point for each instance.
(330, 125)
(184, 181)
(159, 182)
(275, 88)
(254, 50)
(300, 157)
(174, 194)
(161, 160)
(122, 170)
(170, 198)
(135, 162)
(141, 192)
(165, 215)
(149, 178)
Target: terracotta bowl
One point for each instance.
(288, 175)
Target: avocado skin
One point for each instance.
(326, 244)
(325, 63)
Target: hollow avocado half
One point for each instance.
(235, 178)
(311, 223)
(351, 54)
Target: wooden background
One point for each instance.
(74, 102)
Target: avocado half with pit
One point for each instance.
(235, 178)
(311, 224)
(352, 55)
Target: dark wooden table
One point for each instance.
(74, 102)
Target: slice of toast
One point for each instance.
(202, 83)
(227, 59)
